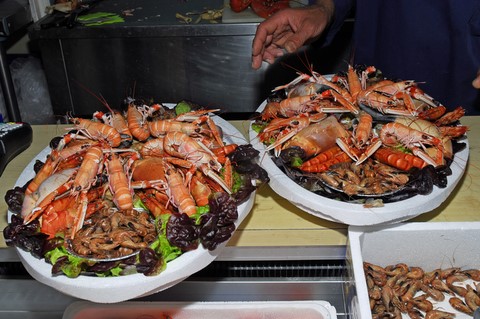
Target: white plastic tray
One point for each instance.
(427, 245)
(202, 310)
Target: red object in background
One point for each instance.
(265, 8)
(239, 5)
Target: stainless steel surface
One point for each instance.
(26, 298)
(211, 68)
(160, 59)
(239, 275)
(231, 253)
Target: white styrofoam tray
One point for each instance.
(201, 310)
(122, 288)
(427, 245)
(353, 213)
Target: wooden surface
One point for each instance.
(274, 221)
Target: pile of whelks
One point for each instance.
(402, 289)
(171, 162)
(359, 132)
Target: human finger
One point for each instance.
(267, 29)
(259, 41)
(294, 42)
(258, 50)
(271, 53)
(476, 81)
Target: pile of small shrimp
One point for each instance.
(112, 234)
(371, 178)
(98, 174)
(314, 123)
(402, 289)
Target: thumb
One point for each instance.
(294, 43)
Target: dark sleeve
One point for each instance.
(343, 9)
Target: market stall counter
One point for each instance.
(277, 248)
(274, 221)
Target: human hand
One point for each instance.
(476, 81)
(288, 30)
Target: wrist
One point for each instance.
(327, 7)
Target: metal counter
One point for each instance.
(154, 56)
(237, 275)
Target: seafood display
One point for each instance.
(129, 192)
(400, 289)
(360, 137)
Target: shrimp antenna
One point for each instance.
(307, 64)
(352, 56)
(98, 97)
(304, 62)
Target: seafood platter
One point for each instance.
(129, 203)
(212, 310)
(434, 273)
(358, 148)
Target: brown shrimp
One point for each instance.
(471, 298)
(459, 305)
(457, 277)
(439, 314)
